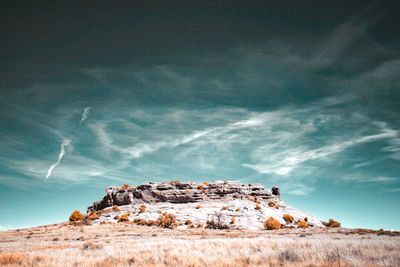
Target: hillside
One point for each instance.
(233, 205)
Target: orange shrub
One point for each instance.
(187, 222)
(257, 207)
(288, 218)
(166, 220)
(302, 224)
(93, 216)
(271, 204)
(124, 218)
(151, 223)
(198, 207)
(276, 206)
(76, 216)
(237, 209)
(115, 208)
(333, 223)
(233, 220)
(174, 182)
(224, 208)
(271, 224)
(125, 187)
(190, 226)
(200, 187)
(200, 225)
(306, 219)
(142, 208)
(205, 183)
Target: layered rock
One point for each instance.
(189, 192)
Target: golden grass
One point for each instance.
(132, 245)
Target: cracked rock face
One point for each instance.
(177, 192)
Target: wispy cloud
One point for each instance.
(84, 115)
(362, 178)
(65, 143)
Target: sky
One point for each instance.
(304, 95)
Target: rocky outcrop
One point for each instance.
(177, 192)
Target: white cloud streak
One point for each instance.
(65, 143)
(85, 114)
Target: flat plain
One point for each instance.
(128, 244)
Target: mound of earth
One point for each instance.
(232, 204)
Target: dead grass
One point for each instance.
(132, 245)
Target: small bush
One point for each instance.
(271, 204)
(93, 216)
(305, 219)
(190, 226)
(142, 208)
(115, 208)
(200, 225)
(332, 223)
(257, 207)
(224, 208)
(198, 207)
(271, 224)
(200, 187)
(205, 183)
(188, 222)
(237, 209)
(217, 222)
(166, 220)
(288, 218)
(76, 216)
(123, 218)
(302, 224)
(233, 220)
(174, 182)
(151, 223)
(125, 187)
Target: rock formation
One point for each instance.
(236, 205)
(177, 192)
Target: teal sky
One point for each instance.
(300, 94)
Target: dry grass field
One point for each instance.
(127, 244)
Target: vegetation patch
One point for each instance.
(76, 216)
(272, 224)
